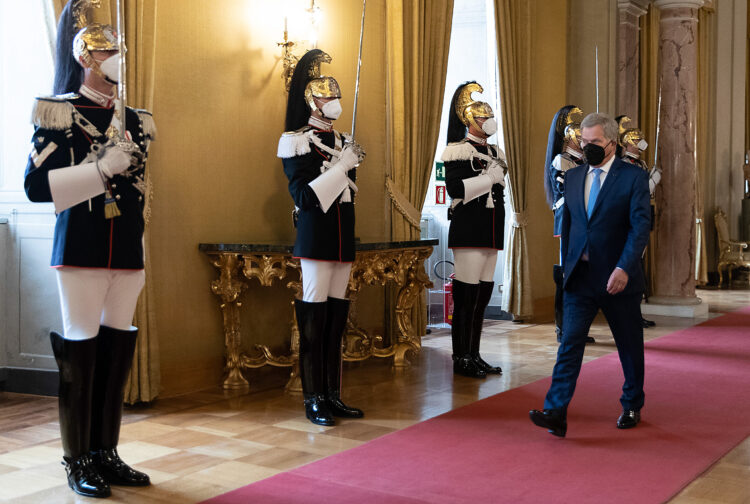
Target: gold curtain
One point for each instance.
(513, 21)
(706, 36)
(140, 34)
(648, 103)
(417, 42)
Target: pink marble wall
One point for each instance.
(627, 64)
(675, 220)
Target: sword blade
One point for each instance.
(359, 66)
(658, 126)
(122, 94)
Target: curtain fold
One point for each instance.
(513, 20)
(140, 35)
(417, 44)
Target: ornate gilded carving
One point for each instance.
(402, 267)
(228, 287)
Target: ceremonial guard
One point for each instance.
(475, 178)
(631, 145)
(563, 153)
(320, 164)
(88, 158)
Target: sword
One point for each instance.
(122, 93)
(596, 75)
(658, 123)
(359, 65)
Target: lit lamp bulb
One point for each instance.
(316, 16)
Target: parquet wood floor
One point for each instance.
(206, 443)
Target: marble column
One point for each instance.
(675, 231)
(628, 57)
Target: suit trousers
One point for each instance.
(582, 301)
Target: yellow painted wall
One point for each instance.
(219, 105)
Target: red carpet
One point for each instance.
(697, 409)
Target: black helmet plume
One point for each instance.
(297, 110)
(554, 147)
(456, 128)
(68, 73)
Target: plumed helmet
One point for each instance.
(629, 136)
(306, 84)
(469, 110)
(464, 111)
(77, 36)
(566, 125)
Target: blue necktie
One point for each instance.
(595, 186)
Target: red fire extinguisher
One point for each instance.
(447, 294)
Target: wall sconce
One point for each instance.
(289, 60)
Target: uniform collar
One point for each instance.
(476, 139)
(101, 99)
(320, 124)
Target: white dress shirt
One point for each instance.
(590, 179)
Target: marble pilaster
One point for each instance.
(674, 282)
(628, 12)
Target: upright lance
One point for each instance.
(658, 124)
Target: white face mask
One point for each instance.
(643, 145)
(490, 126)
(332, 109)
(111, 67)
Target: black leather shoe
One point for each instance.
(317, 411)
(589, 339)
(554, 421)
(487, 367)
(116, 472)
(339, 409)
(83, 478)
(465, 366)
(647, 323)
(628, 419)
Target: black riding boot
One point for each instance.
(485, 293)
(338, 310)
(77, 362)
(464, 306)
(311, 321)
(114, 357)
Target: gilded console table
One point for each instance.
(375, 263)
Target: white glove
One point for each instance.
(347, 160)
(114, 161)
(655, 175)
(496, 173)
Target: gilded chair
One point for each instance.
(732, 254)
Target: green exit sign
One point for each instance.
(439, 171)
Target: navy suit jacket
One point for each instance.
(618, 230)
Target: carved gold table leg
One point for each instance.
(295, 381)
(413, 281)
(228, 287)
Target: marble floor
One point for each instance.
(206, 443)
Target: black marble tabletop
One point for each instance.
(286, 247)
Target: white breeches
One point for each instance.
(324, 279)
(474, 264)
(90, 297)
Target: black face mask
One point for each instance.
(594, 154)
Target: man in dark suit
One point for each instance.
(605, 228)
